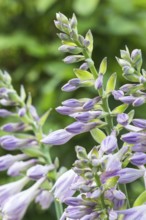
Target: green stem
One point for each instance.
(105, 105)
(97, 180)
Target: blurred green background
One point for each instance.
(29, 52)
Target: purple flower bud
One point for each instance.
(99, 81)
(10, 189)
(86, 116)
(138, 159)
(141, 123)
(136, 213)
(9, 142)
(58, 137)
(127, 99)
(22, 112)
(79, 127)
(6, 102)
(20, 166)
(38, 171)
(127, 87)
(109, 144)
(84, 66)
(73, 59)
(7, 160)
(72, 103)
(13, 127)
(65, 110)
(139, 101)
(63, 185)
(133, 137)
(17, 204)
(117, 94)
(72, 85)
(33, 113)
(139, 148)
(5, 113)
(90, 103)
(128, 175)
(122, 119)
(45, 199)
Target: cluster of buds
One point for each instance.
(95, 188)
(26, 158)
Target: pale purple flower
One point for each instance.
(128, 175)
(109, 144)
(139, 148)
(138, 159)
(44, 198)
(134, 138)
(79, 127)
(141, 123)
(66, 110)
(139, 101)
(122, 119)
(13, 127)
(62, 187)
(58, 137)
(117, 197)
(117, 94)
(127, 99)
(7, 160)
(72, 85)
(88, 105)
(135, 213)
(16, 206)
(99, 81)
(9, 189)
(10, 142)
(72, 103)
(5, 113)
(16, 168)
(86, 116)
(33, 113)
(38, 171)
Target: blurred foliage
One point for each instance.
(29, 51)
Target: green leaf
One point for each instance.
(140, 200)
(111, 182)
(131, 115)
(111, 83)
(89, 37)
(103, 66)
(83, 74)
(98, 135)
(120, 109)
(44, 117)
(22, 93)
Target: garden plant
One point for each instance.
(96, 186)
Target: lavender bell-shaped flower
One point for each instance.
(122, 119)
(134, 138)
(10, 142)
(135, 213)
(138, 159)
(20, 166)
(62, 188)
(79, 127)
(13, 127)
(109, 144)
(58, 137)
(7, 160)
(38, 171)
(10, 189)
(128, 175)
(141, 123)
(44, 198)
(16, 206)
